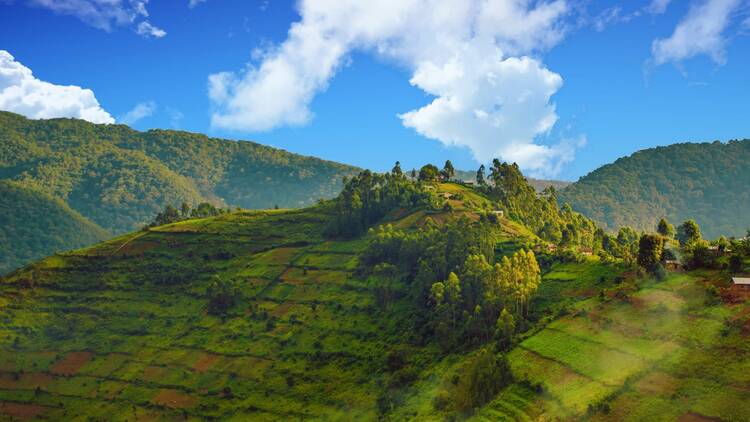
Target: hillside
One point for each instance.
(120, 178)
(34, 224)
(706, 182)
(262, 315)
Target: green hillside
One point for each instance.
(398, 300)
(706, 182)
(33, 224)
(120, 178)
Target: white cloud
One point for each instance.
(472, 56)
(140, 111)
(145, 29)
(701, 32)
(104, 14)
(22, 93)
(657, 7)
(194, 3)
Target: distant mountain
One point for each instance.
(119, 178)
(705, 181)
(538, 184)
(33, 224)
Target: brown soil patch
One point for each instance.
(154, 373)
(173, 399)
(28, 381)
(70, 364)
(205, 363)
(658, 383)
(282, 309)
(21, 411)
(695, 417)
(638, 303)
(293, 276)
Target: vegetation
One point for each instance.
(33, 224)
(706, 182)
(118, 178)
(434, 307)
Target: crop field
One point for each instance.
(115, 331)
(663, 354)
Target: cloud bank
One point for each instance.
(475, 57)
(22, 93)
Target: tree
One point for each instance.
(448, 171)
(397, 170)
(221, 295)
(650, 249)
(480, 176)
(688, 232)
(185, 209)
(736, 264)
(505, 327)
(429, 173)
(665, 229)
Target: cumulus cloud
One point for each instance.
(475, 57)
(145, 29)
(140, 111)
(701, 32)
(22, 93)
(194, 3)
(104, 14)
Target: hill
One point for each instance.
(269, 315)
(706, 182)
(34, 224)
(120, 178)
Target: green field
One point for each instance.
(122, 331)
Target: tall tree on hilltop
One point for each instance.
(448, 171)
(650, 250)
(480, 176)
(396, 171)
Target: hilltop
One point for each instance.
(118, 178)
(322, 313)
(706, 182)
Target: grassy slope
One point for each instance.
(34, 224)
(120, 330)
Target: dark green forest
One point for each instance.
(33, 224)
(119, 178)
(707, 182)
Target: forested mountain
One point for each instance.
(33, 224)
(704, 181)
(120, 178)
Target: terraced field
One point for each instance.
(664, 354)
(119, 329)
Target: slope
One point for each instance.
(120, 178)
(707, 182)
(128, 327)
(34, 224)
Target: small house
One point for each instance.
(741, 283)
(673, 265)
(498, 213)
(586, 251)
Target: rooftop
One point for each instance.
(741, 280)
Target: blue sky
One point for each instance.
(560, 86)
